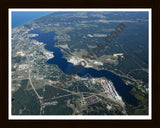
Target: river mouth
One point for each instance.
(48, 39)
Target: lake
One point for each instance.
(21, 17)
(66, 67)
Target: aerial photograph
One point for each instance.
(79, 63)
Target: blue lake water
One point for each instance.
(66, 67)
(20, 18)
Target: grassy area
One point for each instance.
(142, 108)
(25, 102)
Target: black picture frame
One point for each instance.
(153, 4)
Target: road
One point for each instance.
(29, 77)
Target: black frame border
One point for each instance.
(153, 4)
